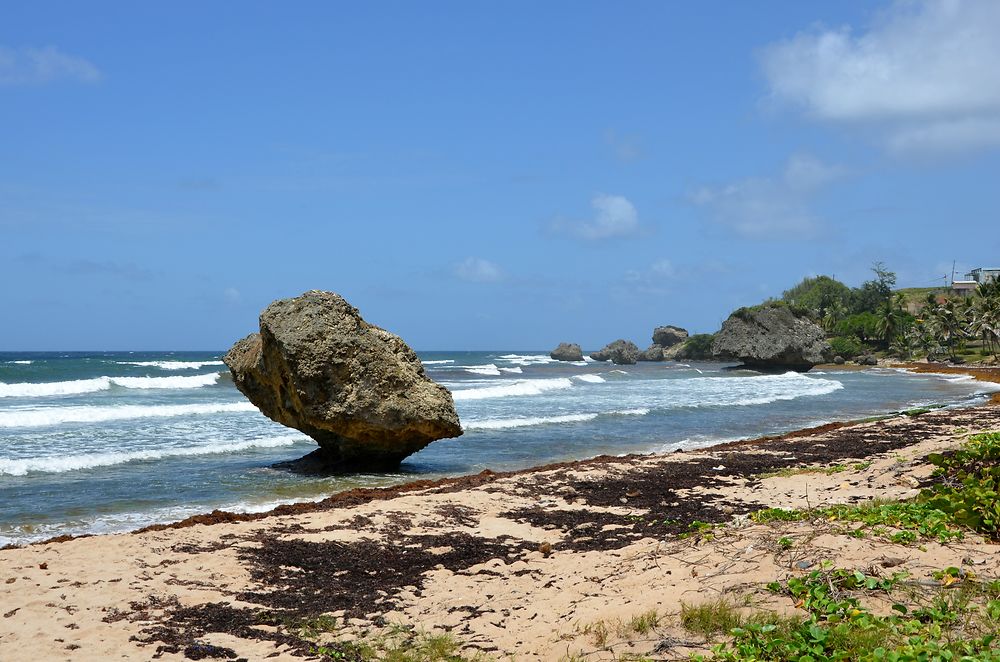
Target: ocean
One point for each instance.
(113, 441)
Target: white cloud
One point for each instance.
(232, 295)
(775, 207)
(478, 270)
(614, 216)
(32, 66)
(924, 74)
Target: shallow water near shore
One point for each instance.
(101, 442)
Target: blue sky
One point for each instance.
(481, 175)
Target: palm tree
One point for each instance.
(947, 326)
(835, 312)
(890, 320)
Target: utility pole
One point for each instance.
(953, 271)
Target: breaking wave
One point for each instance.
(63, 463)
(80, 386)
(172, 365)
(530, 421)
(525, 387)
(34, 418)
(488, 369)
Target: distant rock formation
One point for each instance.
(619, 352)
(653, 353)
(867, 359)
(356, 389)
(567, 351)
(667, 341)
(668, 336)
(771, 338)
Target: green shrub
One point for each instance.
(698, 347)
(846, 347)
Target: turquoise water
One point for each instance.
(99, 442)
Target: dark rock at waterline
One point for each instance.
(653, 353)
(356, 389)
(619, 352)
(771, 338)
(668, 336)
(867, 359)
(567, 351)
(839, 360)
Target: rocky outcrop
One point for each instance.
(867, 359)
(668, 336)
(771, 338)
(654, 353)
(567, 351)
(619, 352)
(356, 389)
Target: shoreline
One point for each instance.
(523, 562)
(361, 495)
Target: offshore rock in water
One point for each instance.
(356, 389)
(771, 338)
(567, 351)
(619, 352)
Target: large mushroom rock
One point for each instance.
(567, 351)
(771, 338)
(653, 353)
(619, 352)
(356, 389)
(668, 336)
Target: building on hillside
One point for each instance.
(982, 276)
(966, 288)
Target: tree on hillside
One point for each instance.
(873, 294)
(817, 295)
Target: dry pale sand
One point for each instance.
(540, 564)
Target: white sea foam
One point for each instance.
(509, 423)
(64, 463)
(20, 362)
(81, 386)
(521, 387)
(734, 391)
(530, 421)
(488, 369)
(48, 389)
(515, 371)
(639, 411)
(45, 416)
(591, 379)
(172, 365)
(441, 362)
(194, 381)
(527, 359)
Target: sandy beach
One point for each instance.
(544, 564)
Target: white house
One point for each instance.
(983, 275)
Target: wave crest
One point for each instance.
(34, 418)
(64, 463)
(524, 387)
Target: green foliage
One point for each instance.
(710, 618)
(645, 622)
(863, 326)
(818, 295)
(875, 293)
(971, 495)
(839, 627)
(698, 347)
(847, 347)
